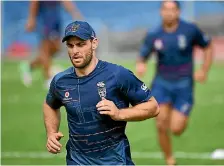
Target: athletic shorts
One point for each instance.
(179, 93)
(118, 154)
(50, 30)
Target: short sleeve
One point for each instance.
(52, 100)
(130, 86)
(200, 38)
(147, 46)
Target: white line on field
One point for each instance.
(138, 155)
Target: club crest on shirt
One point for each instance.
(182, 41)
(66, 94)
(158, 44)
(101, 87)
(144, 87)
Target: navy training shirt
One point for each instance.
(174, 49)
(90, 132)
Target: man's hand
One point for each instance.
(107, 107)
(30, 25)
(53, 144)
(141, 68)
(200, 76)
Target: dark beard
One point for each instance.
(171, 23)
(86, 62)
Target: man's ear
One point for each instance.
(95, 43)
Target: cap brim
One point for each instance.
(72, 34)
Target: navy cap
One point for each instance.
(80, 29)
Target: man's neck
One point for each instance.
(88, 69)
(171, 27)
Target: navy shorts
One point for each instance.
(118, 154)
(179, 93)
(50, 30)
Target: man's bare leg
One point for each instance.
(163, 123)
(178, 122)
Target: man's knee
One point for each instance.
(178, 127)
(176, 130)
(162, 125)
(44, 58)
(163, 119)
(178, 123)
(55, 46)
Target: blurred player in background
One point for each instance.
(50, 17)
(96, 98)
(173, 85)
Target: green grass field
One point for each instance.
(23, 131)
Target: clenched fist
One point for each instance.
(53, 145)
(141, 68)
(107, 107)
(200, 76)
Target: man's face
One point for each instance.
(169, 12)
(81, 51)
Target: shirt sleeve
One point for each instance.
(52, 100)
(147, 46)
(130, 86)
(200, 38)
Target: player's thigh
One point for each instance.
(163, 119)
(184, 100)
(182, 108)
(55, 45)
(178, 122)
(50, 35)
(44, 50)
(163, 96)
(47, 49)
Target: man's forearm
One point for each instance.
(51, 119)
(33, 9)
(140, 112)
(72, 9)
(208, 57)
(141, 59)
